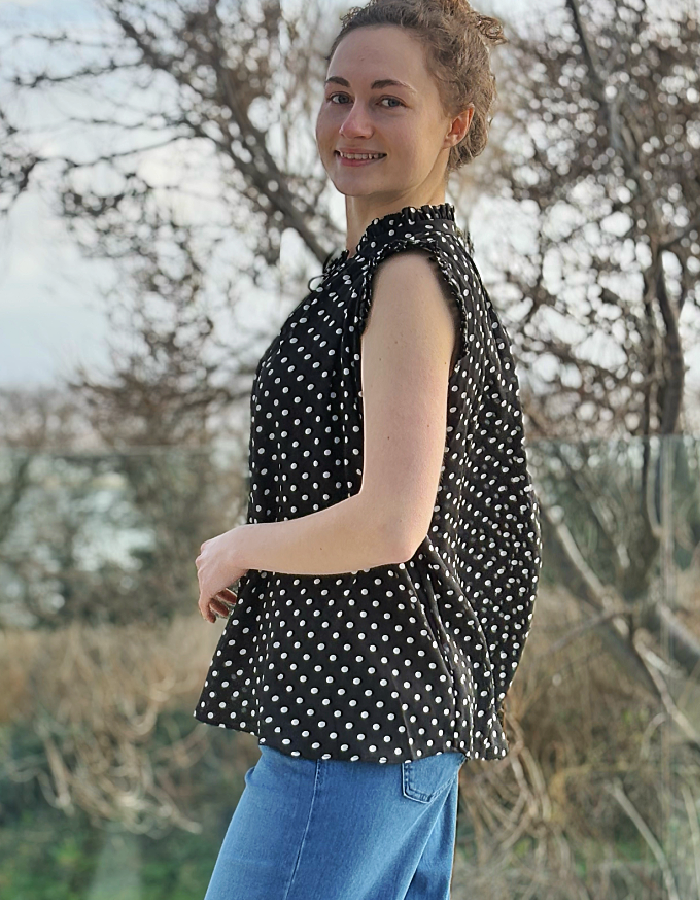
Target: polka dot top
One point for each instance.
(393, 662)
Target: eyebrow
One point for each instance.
(379, 83)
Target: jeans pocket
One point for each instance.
(425, 779)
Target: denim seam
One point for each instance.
(317, 778)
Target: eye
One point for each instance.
(394, 99)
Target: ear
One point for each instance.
(461, 125)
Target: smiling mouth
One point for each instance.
(378, 156)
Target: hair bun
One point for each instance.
(454, 7)
(489, 28)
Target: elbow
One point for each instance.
(413, 524)
(409, 548)
(396, 530)
(395, 549)
(405, 543)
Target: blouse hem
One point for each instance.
(493, 752)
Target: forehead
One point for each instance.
(384, 52)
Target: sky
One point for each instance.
(47, 290)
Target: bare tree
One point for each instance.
(602, 125)
(597, 144)
(231, 75)
(222, 78)
(174, 382)
(603, 128)
(225, 88)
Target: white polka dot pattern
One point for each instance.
(394, 662)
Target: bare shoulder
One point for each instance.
(406, 267)
(410, 283)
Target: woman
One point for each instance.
(389, 565)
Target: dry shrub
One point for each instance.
(592, 772)
(687, 594)
(18, 649)
(585, 772)
(93, 695)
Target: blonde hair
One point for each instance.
(457, 40)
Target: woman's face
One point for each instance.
(403, 121)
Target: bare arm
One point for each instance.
(407, 352)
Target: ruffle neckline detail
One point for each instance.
(381, 225)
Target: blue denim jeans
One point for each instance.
(337, 830)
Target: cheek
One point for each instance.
(404, 140)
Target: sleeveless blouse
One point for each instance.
(394, 662)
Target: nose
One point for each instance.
(356, 122)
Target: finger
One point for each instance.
(218, 602)
(227, 595)
(219, 607)
(205, 611)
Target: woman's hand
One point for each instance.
(216, 570)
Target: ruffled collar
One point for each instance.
(381, 226)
